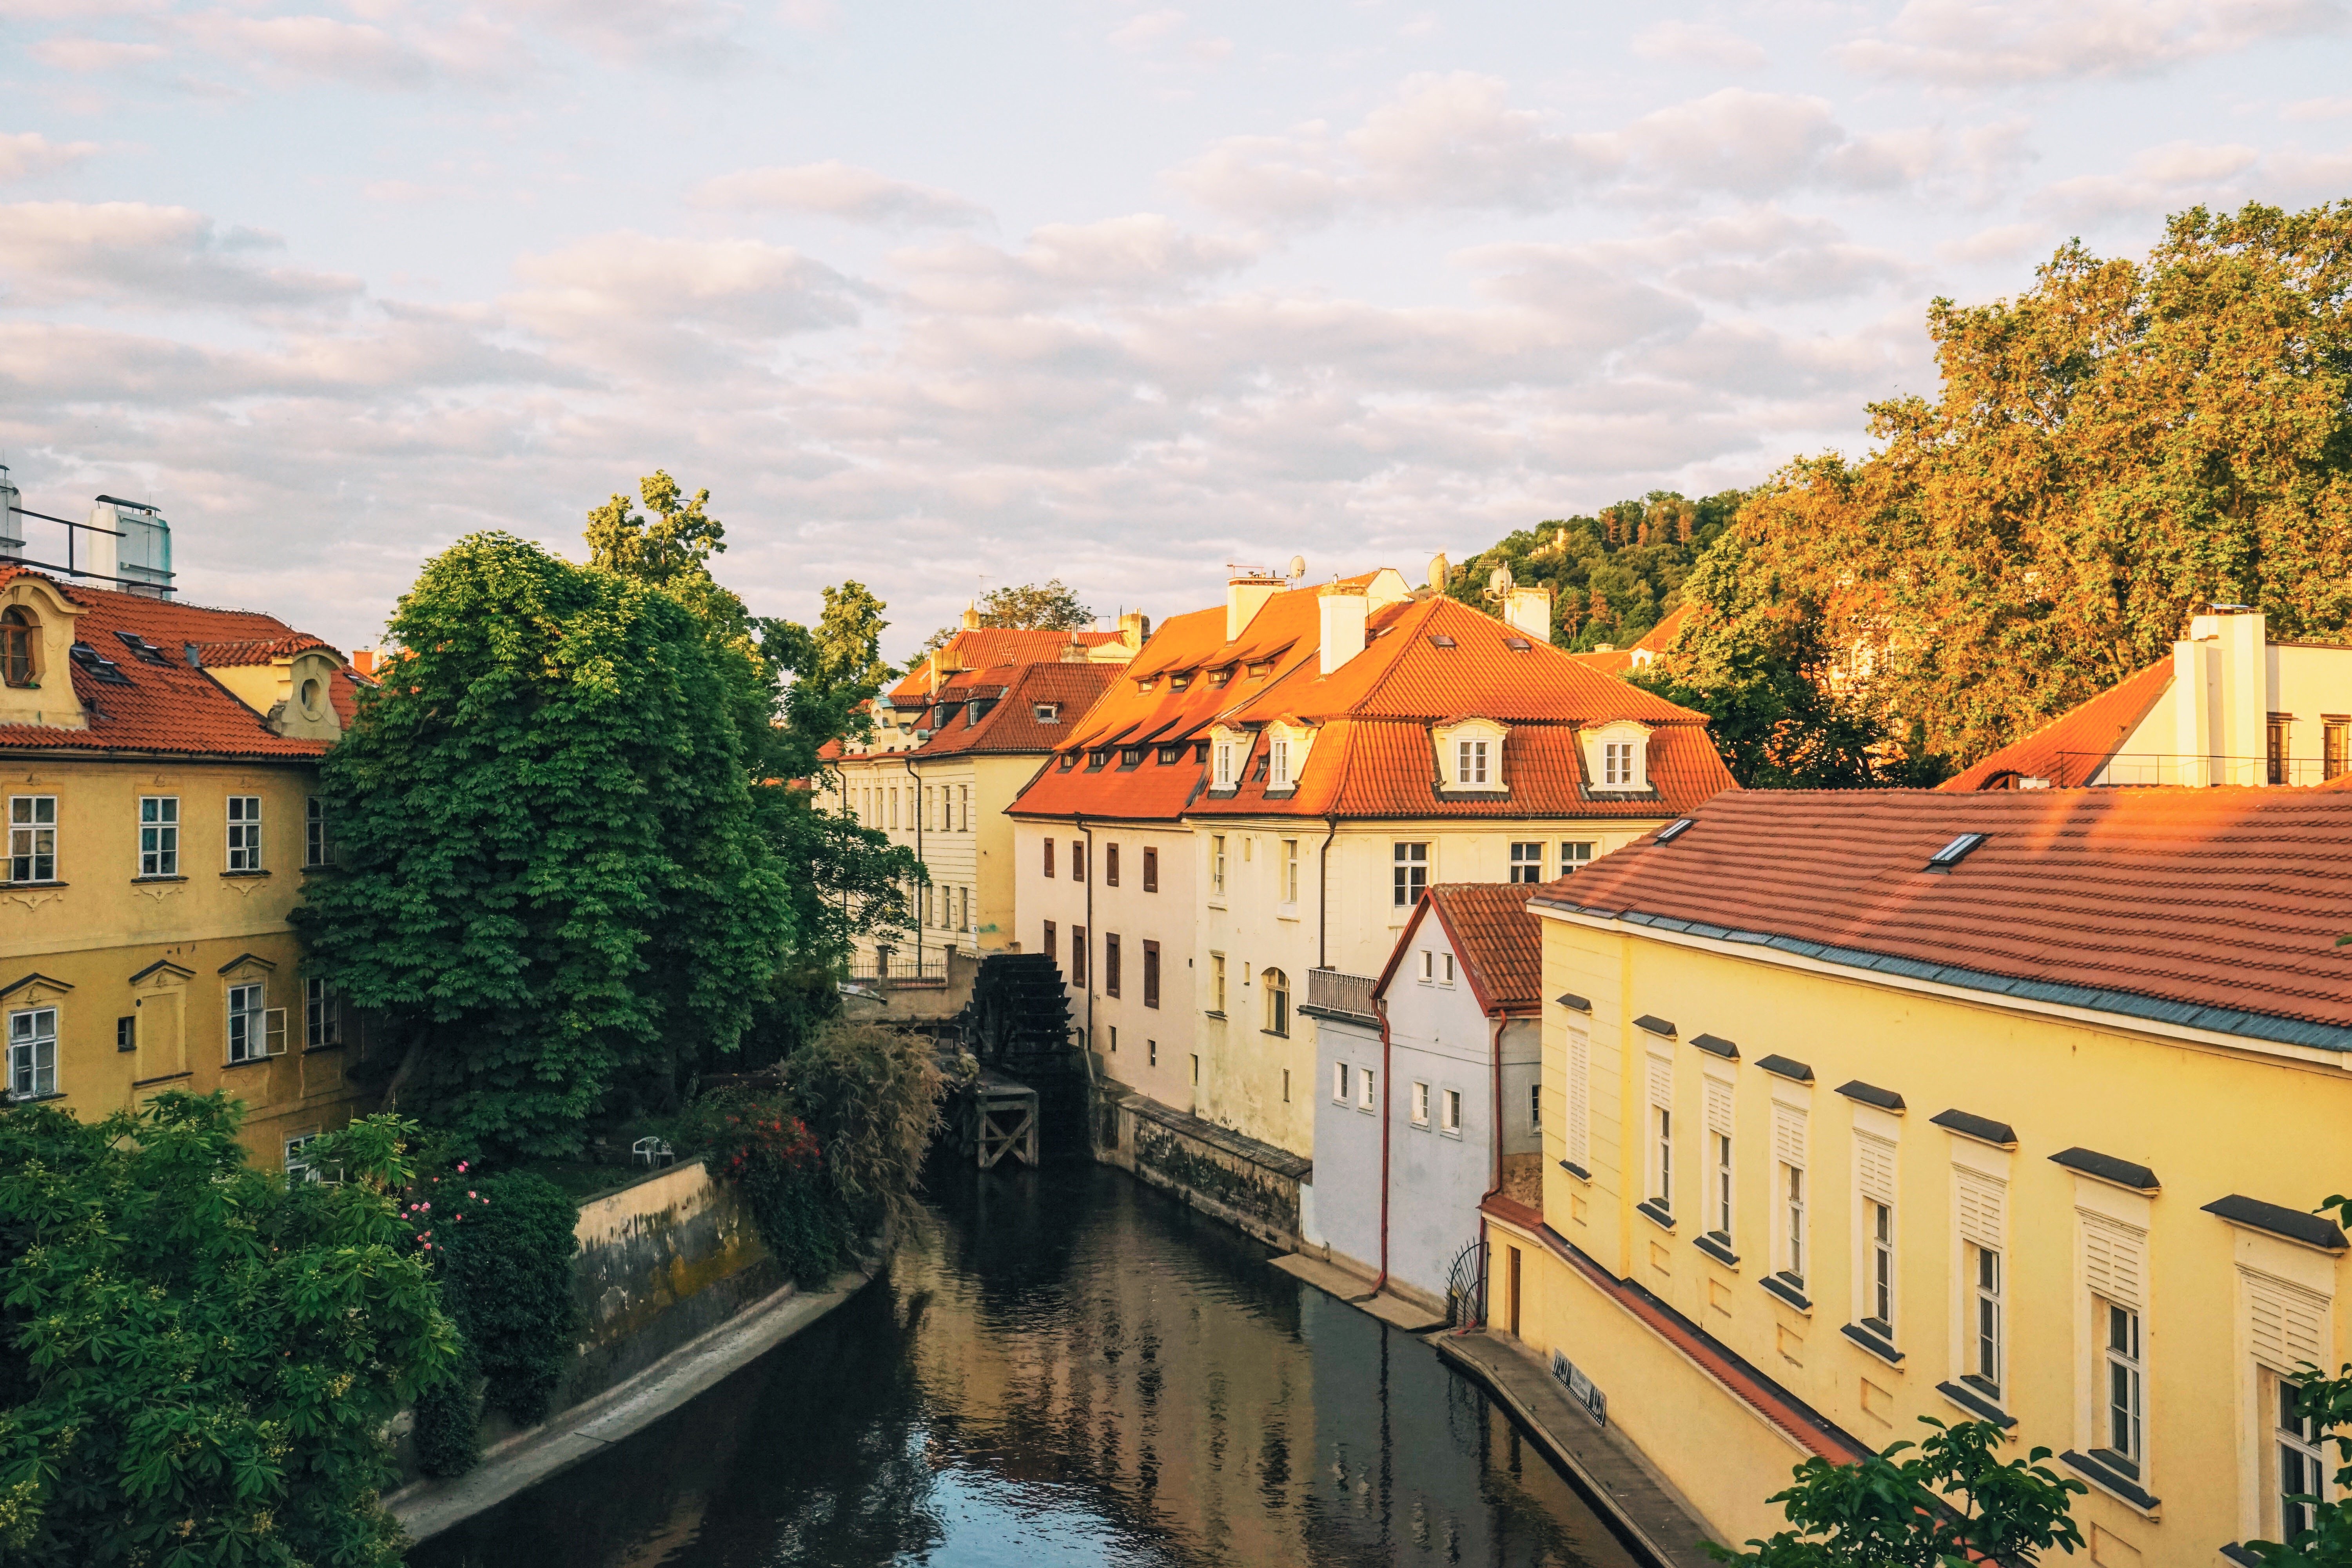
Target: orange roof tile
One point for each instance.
(1499, 942)
(2216, 909)
(1618, 661)
(1009, 701)
(2072, 748)
(991, 647)
(170, 707)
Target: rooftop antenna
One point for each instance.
(1298, 567)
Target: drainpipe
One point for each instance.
(1381, 1011)
(1078, 821)
(1323, 893)
(909, 763)
(1495, 1138)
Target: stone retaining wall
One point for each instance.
(1250, 1185)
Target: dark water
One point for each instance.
(1064, 1368)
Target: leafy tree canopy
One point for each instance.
(1611, 576)
(552, 873)
(199, 1361)
(1051, 606)
(2120, 444)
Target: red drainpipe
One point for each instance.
(1381, 1010)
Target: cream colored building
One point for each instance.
(1869, 1106)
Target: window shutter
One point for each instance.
(1983, 1200)
(1662, 1083)
(2114, 1260)
(2288, 1323)
(1874, 1162)
(1719, 1106)
(1788, 1136)
(1579, 1097)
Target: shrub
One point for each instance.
(754, 1141)
(871, 1095)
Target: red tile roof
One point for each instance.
(990, 647)
(2072, 748)
(1499, 942)
(1618, 660)
(1011, 699)
(170, 707)
(2212, 908)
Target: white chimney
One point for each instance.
(1245, 594)
(1341, 613)
(1527, 611)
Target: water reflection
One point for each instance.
(1064, 1368)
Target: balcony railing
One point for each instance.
(1344, 995)
(2169, 768)
(931, 969)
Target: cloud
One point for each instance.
(2318, 108)
(840, 190)
(1161, 32)
(2168, 177)
(1977, 43)
(630, 285)
(1754, 255)
(1680, 42)
(28, 152)
(1141, 255)
(87, 56)
(2001, 244)
(314, 47)
(129, 254)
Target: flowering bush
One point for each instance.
(755, 1142)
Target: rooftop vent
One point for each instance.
(1048, 712)
(99, 665)
(1952, 854)
(1672, 830)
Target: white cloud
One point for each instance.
(840, 190)
(1147, 30)
(129, 254)
(87, 56)
(1976, 43)
(1143, 254)
(1688, 43)
(318, 47)
(2162, 178)
(2318, 108)
(28, 152)
(628, 283)
(2005, 242)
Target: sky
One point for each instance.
(942, 298)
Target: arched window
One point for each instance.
(1277, 1000)
(19, 634)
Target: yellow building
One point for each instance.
(1861, 1107)
(952, 744)
(161, 816)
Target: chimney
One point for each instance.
(1341, 613)
(1527, 611)
(363, 659)
(971, 617)
(2220, 695)
(1134, 630)
(1246, 593)
(130, 542)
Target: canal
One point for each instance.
(1065, 1367)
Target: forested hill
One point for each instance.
(1611, 576)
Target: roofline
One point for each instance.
(132, 754)
(2328, 1044)
(1421, 908)
(1478, 987)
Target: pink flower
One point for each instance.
(470, 1194)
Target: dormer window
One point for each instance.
(1616, 757)
(1470, 757)
(1224, 764)
(20, 634)
(1278, 762)
(1048, 712)
(1470, 762)
(1178, 682)
(1219, 677)
(1617, 765)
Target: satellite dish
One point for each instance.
(1441, 572)
(1297, 566)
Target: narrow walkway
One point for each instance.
(427, 1508)
(1610, 1469)
(1357, 1291)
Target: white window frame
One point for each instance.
(1470, 762)
(1985, 1282)
(257, 1031)
(32, 838)
(1277, 763)
(32, 1053)
(1339, 1080)
(1791, 1192)
(315, 851)
(2295, 1457)
(1290, 871)
(2123, 1384)
(1878, 1257)
(1726, 1190)
(1217, 865)
(1449, 1113)
(299, 1169)
(1217, 983)
(1366, 1089)
(1526, 860)
(1616, 764)
(1224, 779)
(1428, 967)
(159, 836)
(1410, 863)
(245, 833)
(1575, 855)
(1420, 1113)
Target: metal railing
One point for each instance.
(929, 970)
(1350, 996)
(2131, 768)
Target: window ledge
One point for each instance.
(172, 877)
(243, 874)
(330, 1045)
(2237, 1553)
(12, 887)
(1716, 1250)
(1213, 1013)
(167, 1078)
(1275, 1034)
(1874, 1341)
(15, 1099)
(2111, 1480)
(1784, 1291)
(1976, 1405)
(1648, 1209)
(1574, 1169)
(248, 1062)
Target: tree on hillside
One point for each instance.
(2123, 442)
(1051, 606)
(553, 876)
(202, 1360)
(1611, 576)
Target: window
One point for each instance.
(314, 832)
(1048, 712)
(1526, 862)
(2335, 742)
(894, 808)
(1794, 1222)
(1662, 1121)
(1151, 974)
(1470, 761)
(1110, 963)
(1277, 772)
(1789, 1178)
(1873, 1159)
(1446, 969)
(1217, 983)
(254, 1031)
(298, 1167)
(1290, 870)
(1049, 941)
(2296, 1474)
(1617, 765)
(1286, 1086)
(33, 1053)
(32, 838)
(963, 794)
(1151, 1053)
(320, 1025)
(1277, 1000)
(1217, 865)
(1224, 764)
(1722, 1194)
(1049, 857)
(19, 639)
(1411, 868)
(1449, 1108)
(2274, 737)
(1340, 1074)
(1421, 1105)
(1578, 1132)
(1535, 1107)
(1364, 1091)
(1077, 860)
(1985, 1342)
(1428, 967)
(245, 833)
(1880, 1282)
(159, 836)
(126, 1032)
(1114, 1040)
(1078, 955)
(1575, 855)
(1110, 865)
(967, 909)
(2119, 1329)
(1150, 870)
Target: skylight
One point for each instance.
(1438, 639)
(1517, 645)
(99, 665)
(146, 651)
(1672, 830)
(1952, 854)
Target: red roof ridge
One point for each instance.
(2043, 752)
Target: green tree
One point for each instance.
(199, 1360)
(1953, 1501)
(553, 878)
(1613, 575)
(2325, 1404)
(1051, 606)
